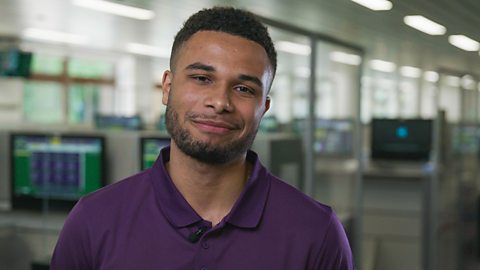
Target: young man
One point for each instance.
(207, 203)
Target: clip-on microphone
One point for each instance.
(196, 235)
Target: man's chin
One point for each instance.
(212, 143)
(212, 156)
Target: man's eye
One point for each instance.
(203, 79)
(245, 89)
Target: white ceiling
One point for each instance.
(382, 34)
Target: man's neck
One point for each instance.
(211, 190)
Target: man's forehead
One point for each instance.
(204, 37)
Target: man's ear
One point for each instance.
(267, 104)
(166, 85)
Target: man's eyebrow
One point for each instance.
(200, 66)
(255, 80)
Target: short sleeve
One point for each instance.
(335, 253)
(72, 251)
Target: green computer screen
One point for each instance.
(150, 149)
(56, 167)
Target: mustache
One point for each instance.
(213, 117)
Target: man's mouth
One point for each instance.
(214, 126)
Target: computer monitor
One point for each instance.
(15, 63)
(333, 137)
(54, 168)
(396, 139)
(465, 138)
(150, 148)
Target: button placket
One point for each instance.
(205, 256)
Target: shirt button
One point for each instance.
(205, 245)
(204, 268)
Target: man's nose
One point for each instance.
(219, 99)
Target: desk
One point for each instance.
(27, 237)
(398, 213)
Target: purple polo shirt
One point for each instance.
(143, 223)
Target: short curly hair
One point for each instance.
(229, 20)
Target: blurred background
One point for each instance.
(375, 111)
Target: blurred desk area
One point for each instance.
(396, 213)
(27, 238)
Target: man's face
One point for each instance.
(216, 96)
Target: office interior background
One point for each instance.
(375, 111)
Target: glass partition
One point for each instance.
(428, 106)
(289, 92)
(335, 114)
(43, 102)
(457, 196)
(409, 98)
(450, 95)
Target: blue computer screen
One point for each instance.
(400, 139)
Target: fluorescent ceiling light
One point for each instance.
(147, 50)
(468, 82)
(410, 72)
(292, 47)
(345, 58)
(431, 76)
(375, 4)
(425, 25)
(116, 9)
(54, 36)
(383, 66)
(464, 43)
(453, 81)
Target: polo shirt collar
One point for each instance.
(246, 212)
(248, 209)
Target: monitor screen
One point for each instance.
(150, 148)
(60, 168)
(396, 139)
(465, 138)
(333, 137)
(14, 62)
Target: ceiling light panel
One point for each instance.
(376, 5)
(54, 36)
(431, 76)
(147, 50)
(383, 66)
(345, 58)
(425, 25)
(410, 72)
(468, 82)
(116, 9)
(292, 47)
(463, 42)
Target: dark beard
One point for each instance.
(202, 151)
